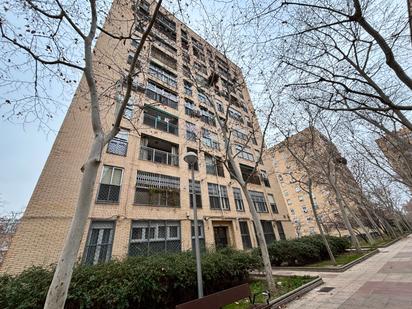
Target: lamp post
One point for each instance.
(191, 159)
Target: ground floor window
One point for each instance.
(244, 232)
(154, 236)
(99, 242)
(201, 235)
(281, 230)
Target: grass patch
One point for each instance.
(341, 259)
(377, 243)
(284, 285)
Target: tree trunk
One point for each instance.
(362, 226)
(322, 234)
(372, 221)
(57, 293)
(261, 240)
(339, 200)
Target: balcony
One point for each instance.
(155, 122)
(158, 156)
(159, 151)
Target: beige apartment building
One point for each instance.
(141, 196)
(291, 177)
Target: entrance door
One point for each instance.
(221, 240)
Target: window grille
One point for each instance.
(99, 242)
(110, 184)
(157, 190)
(118, 144)
(210, 139)
(244, 153)
(154, 236)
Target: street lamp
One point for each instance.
(191, 159)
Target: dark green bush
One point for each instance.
(160, 281)
(305, 250)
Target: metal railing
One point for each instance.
(157, 123)
(158, 156)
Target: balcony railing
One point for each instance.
(162, 125)
(158, 156)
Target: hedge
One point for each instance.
(305, 250)
(160, 281)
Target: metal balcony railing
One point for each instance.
(158, 156)
(157, 123)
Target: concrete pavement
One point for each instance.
(382, 281)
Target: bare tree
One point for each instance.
(8, 226)
(51, 27)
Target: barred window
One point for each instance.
(234, 114)
(154, 236)
(190, 108)
(239, 134)
(201, 235)
(259, 201)
(161, 94)
(128, 111)
(281, 231)
(244, 232)
(157, 190)
(218, 198)
(273, 204)
(110, 183)
(198, 194)
(99, 242)
(268, 231)
(238, 199)
(118, 144)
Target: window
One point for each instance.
(154, 236)
(214, 166)
(259, 201)
(219, 106)
(198, 194)
(163, 58)
(109, 189)
(300, 198)
(99, 242)
(163, 74)
(128, 111)
(188, 88)
(244, 152)
(191, 131)
(273, 204)
(305, 210)
(281, 231)
(157, 190)
(201, 228)
(210, 139)
(289, 202)
(190, 108)
(292, 211)
(238, 199)
(159, 120)
(239, 134)
(218, 198)
(234, 114)
(244, 232)
(265, 178)
(206, 116)
(298, 189)
(268, 231)
(161, 94)
(118, 144)
(249, 173)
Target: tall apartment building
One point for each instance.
(142, 194)
(397, 148)
(311, 146)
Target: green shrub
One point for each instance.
(160, 281)
(305, 250)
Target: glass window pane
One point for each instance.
(117, 177)
(107, 174)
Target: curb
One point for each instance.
(387, 244)
(292, 295)
(339, 269)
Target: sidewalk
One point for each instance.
(382, 281)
